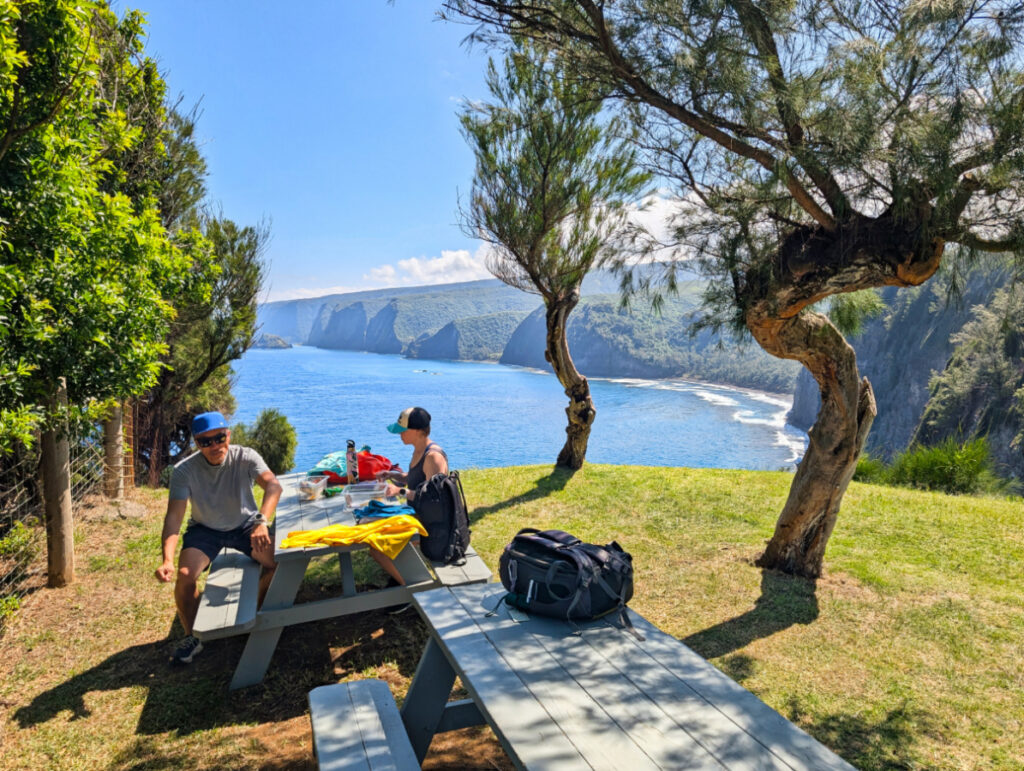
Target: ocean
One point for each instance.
(487, 415)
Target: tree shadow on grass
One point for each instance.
(556, 480)
(149, 753)
(884, 744)
(785, 600)
(182, 700)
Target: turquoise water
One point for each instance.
(487, 415)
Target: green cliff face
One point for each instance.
(919, 338)
(980, 393)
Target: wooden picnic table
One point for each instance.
(559, 697)
(279, 608)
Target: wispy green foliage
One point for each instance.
(214, 324)
(849, 311)
(552, 180)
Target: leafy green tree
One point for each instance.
(85, 264)
(550, 194)
(820, 148)
(272, 436)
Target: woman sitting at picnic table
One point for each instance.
(412, 427)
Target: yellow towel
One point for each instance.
(389, 535)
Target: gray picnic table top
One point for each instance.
(597, 698)
(279, 609)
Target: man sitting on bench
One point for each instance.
(218, 481)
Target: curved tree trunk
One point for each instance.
(835, 440)
(581, 410)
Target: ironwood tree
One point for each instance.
(822, 147)
(550, 195)
(211, 328)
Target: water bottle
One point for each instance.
(351, 462)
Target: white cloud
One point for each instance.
(451, 266)
(385, 274)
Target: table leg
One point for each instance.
(259, 648)
(426, 698)
(348, 576)
(411, 566)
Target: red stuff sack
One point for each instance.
(369, 465)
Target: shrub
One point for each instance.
(870, 469)
(272, 436)
(949, 467)
(19, 544)
(8, 606)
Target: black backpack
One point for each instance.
(440, 506)
(553, 573)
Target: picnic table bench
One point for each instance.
(356, 727)
(597, 697)
(228, 605)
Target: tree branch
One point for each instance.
(761, 36)
(646, 93)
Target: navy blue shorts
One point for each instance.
(210, 541)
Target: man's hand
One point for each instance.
(260, 538)
(165, 573)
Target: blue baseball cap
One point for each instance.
(413, 417)
(207, 421)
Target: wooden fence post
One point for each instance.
(56, 473)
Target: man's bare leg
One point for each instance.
(266, 559)
(191, 564)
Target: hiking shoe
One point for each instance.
(187, 650)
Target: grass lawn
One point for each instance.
(908, 654)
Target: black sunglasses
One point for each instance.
(210, 441)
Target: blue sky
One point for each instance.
(337, 121)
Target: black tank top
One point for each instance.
(416, 476)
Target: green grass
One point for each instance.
(908, 653)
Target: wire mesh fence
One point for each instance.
(22, 516)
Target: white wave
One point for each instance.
(796, 445)
(751, 418)
(777, 401)
(718, 399)
(633, 382)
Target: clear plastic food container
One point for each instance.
(362, 493)
(312, 488)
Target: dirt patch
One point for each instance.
(134, 505)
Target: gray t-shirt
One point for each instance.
(221, 495)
